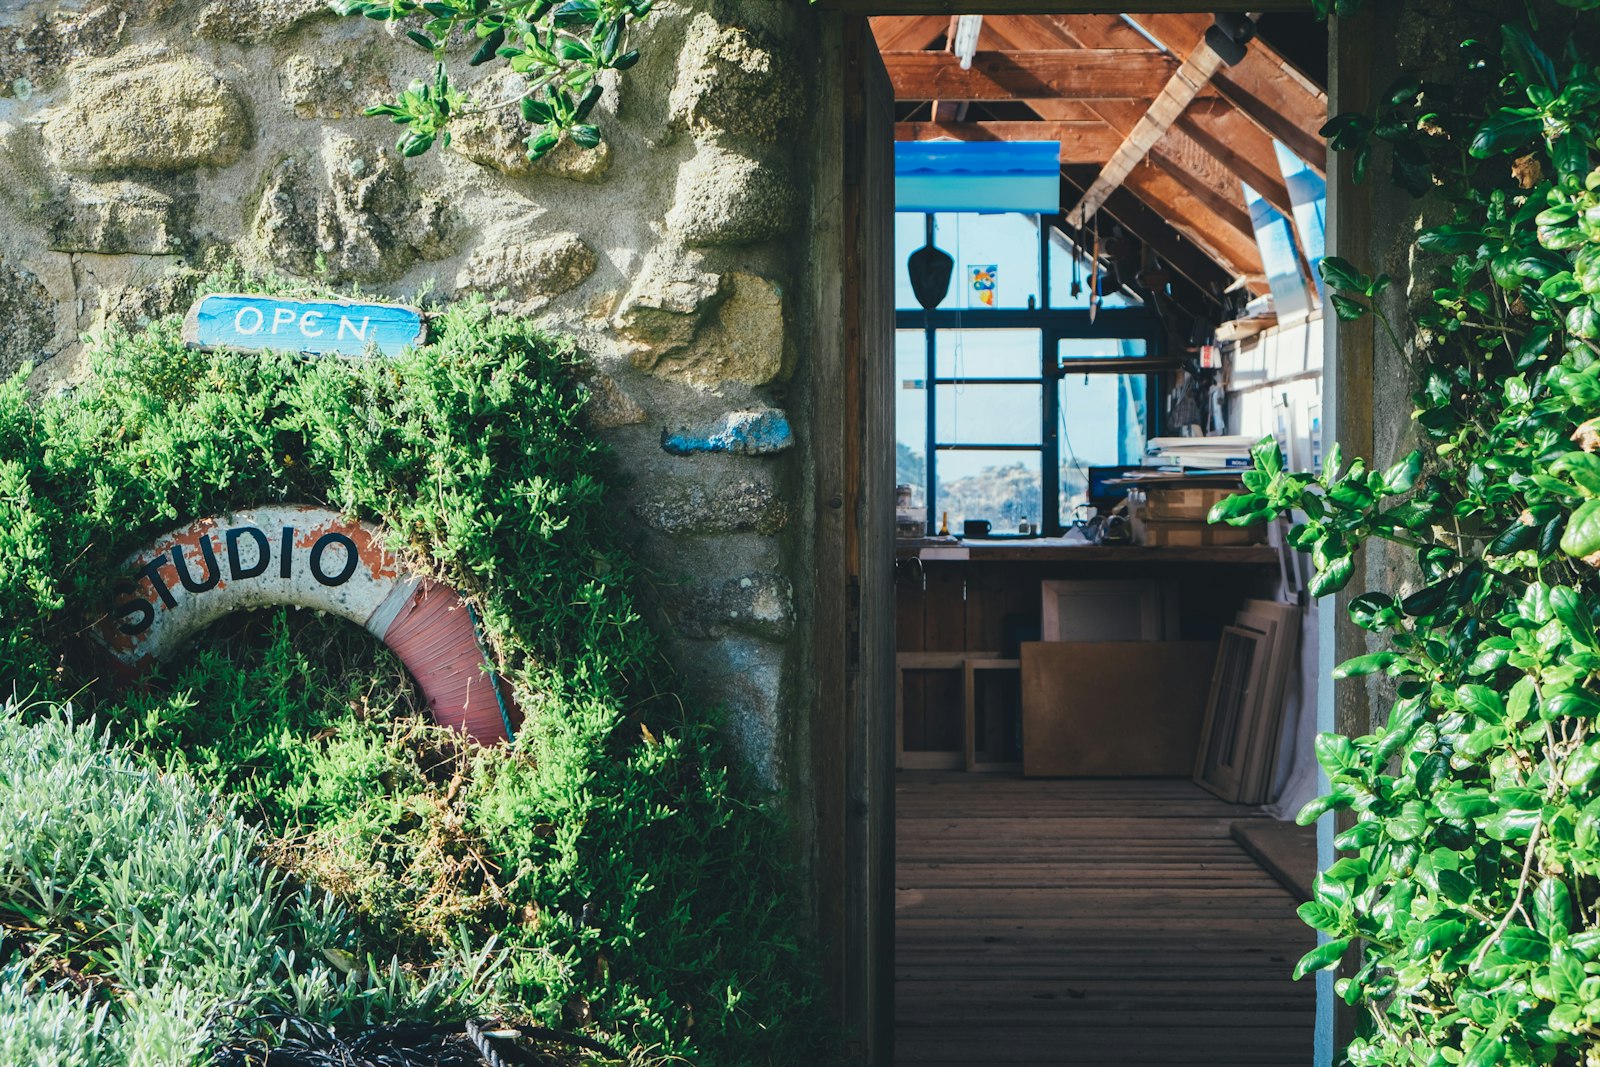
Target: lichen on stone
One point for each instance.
(122, 217)
(737, 505)
(730, 82)
(171, 115)
(727, 198)
(257, 20)
(530, 272)
(351, 215)
(27, 320)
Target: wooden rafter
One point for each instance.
(1240, 146)
(1191, 216)
(1085, 74)
(1265, 86)
(1213, 124)
(896, 33)
(1081, 142)
(1184, 85)
(1154, 231)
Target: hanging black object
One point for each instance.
(1229, 35)
(930, 269)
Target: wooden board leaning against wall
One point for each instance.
(990, 607)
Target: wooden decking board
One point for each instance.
(1088, 922)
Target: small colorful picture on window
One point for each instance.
(985, 280)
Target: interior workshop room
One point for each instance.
(1106, 294)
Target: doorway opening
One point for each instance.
(1103, 705)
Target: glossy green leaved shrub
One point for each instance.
(629, 885)
(1467, 899)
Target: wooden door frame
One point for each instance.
(852, 732)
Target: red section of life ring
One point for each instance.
(435, 637)
(307, 557)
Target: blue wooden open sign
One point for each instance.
(313, 327)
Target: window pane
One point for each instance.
(1279, 254)
(911, 413)
(1101, 348)
(996, 258)
(1102, 425)
(1309, 194)
(1003, 487)
(990, 414)
(990, 354)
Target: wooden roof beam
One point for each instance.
(1148, 225)
(1243, 149)
(1081, 142)
(1265, 86)
(1188, 213)
(1084, 74)
(1194, 131)
(1184, 85)
(907, 32)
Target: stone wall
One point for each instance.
(145, 142)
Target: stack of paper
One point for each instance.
(1199, 453)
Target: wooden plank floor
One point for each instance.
(1088, 922)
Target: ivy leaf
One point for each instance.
(1371, 663)
(1336, 753)
(1584, 321)
(1512, 539)
(1552, 908)
(1322, 957)
(1571, 704)
(1347, 131)
(1230, 508)
(1488, 1052)
(1506, 131)
(1526, 59)
(1451, 240)
(1333, 578)
(1340, 273)
(1582, 536)
(1466, 804)
(1574, 614)
(1411, 823)
(1374, 611)
(1481, 701)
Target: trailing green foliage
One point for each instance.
(1469, 900)
(631, 889)
(558, 47)
(151, 921)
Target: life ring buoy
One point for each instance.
(311, 558)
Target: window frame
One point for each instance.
(1052, 327)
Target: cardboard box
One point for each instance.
(1197, 534)
(1182, 505)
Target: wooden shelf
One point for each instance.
(1050, 551)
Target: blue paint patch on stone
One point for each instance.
(313, 327)
(741, 433)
